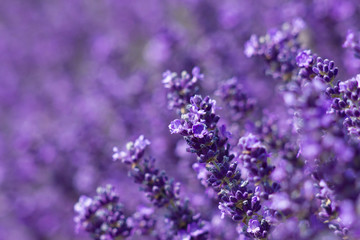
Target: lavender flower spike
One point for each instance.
(254, 157)
(162, 191)
(180, 89)
(102, 215)
(344, 95)
(135, 151)
(144, 223)
(353, 42)
(236, 195)
(279, 48)
(237, 101)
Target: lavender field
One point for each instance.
(169, 119)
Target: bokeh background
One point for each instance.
(79, 77)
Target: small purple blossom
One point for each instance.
(176, 126)
(180, 89)
(144, 221)
(199, 130)
(352, 41)
(134, 151)
(252, 46)
(304, 59)
(254, 227)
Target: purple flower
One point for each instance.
(102, 216)
(224, 175)
(134, 151)
(199, 130)
(176, 126)
(180, 89)
(144, 221)
(251, 46)
(279, 47)
(353, 42)
(237, 101)
(350, 40)
(254, 227)
(344, 95)
(304, 59)
(253, 156)
(163, 192)
(249, 142)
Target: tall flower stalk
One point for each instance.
(102, 216)
(162, 192)
(239, 198)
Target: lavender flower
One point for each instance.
(134, 151)
(276, 133)
(344, 94)
(350, 90)
(323, 143)
(279, 48)
(330, 209)
(180, 89)
(234, 96)
(236, 195)
(102, 216)
(162, 192)
(254, 228)
(253, 157)
(144, 223)
(316, 125)
(305, 59)
(353, 42)
(156, 185)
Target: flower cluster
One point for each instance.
(134, 151)
(180, 89)
(237, 197)
(276, 135)
(330, 209)
(353, 42)
(304, 147)
(161, 191)
(102, 216)
(143, 221)
(158, 188)
(238, 103)
(253, 156)
(350, 90)
(320, 103)
(279, 48)
(344, 94)
(322, 155)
